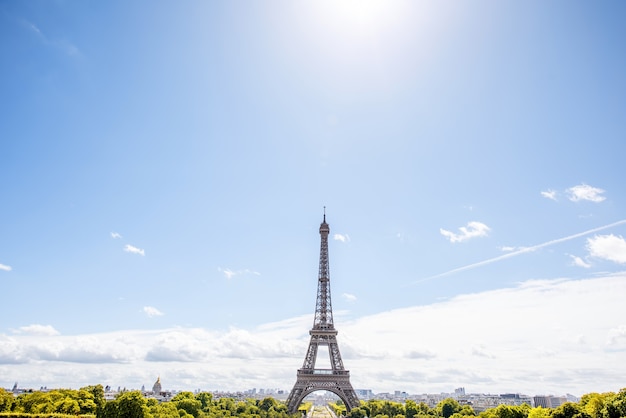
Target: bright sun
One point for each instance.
(360, 15)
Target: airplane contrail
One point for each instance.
(522, 251)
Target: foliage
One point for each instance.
(539, 412)
(357, 412)
(448, 407)
(187, 402)
(592, 404)
(615, 405)
(6, 400)
(569, 410)
(25, 415)
(507, 411)
(205, 400)
(132, 405)
(89, 402)
(85, 401)
(412, 409)
(338, 409)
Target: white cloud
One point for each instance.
(507, 249)
(503, 331)
(608, 247)
(115, 235)
(349, 297)
(229, 274)
(472, 230)
(414, 354)
(526, 305)
(151, 311)
(134, 250)
(342, 238)
(577, 261)
(178, 345)
(37, 329)
(616, 337)
(585, 192)
(522, 250)
(482, 351)
(5, 267)
(549, 194)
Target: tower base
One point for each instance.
(335, 381)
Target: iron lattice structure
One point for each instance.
(336, 379)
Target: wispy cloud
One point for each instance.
(60, 44)
(36, 329)
(151, 311)
(422, 355)
(115, 235)
(134, 250)
(349, 297)
(608, 247)
(585, 192)
(4, 267)
(341, 237)
(229, 274)
(472, 230)
(482, 351)
(579, 262)
(522, 251)
(549, 194)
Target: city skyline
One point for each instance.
(164, 170)
(280, 394)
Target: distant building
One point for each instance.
(572, 398)
(548, 401)
(364, 394)
(482, 402)
(400, 395)
(156, 388)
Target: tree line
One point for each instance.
(591, 405)
(89, 402)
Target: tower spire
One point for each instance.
(323, 333)
(323, 306)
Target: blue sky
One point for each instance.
(164, 168)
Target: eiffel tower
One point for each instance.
(336, 379)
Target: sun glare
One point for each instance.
(360, 16)
(350, 43)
